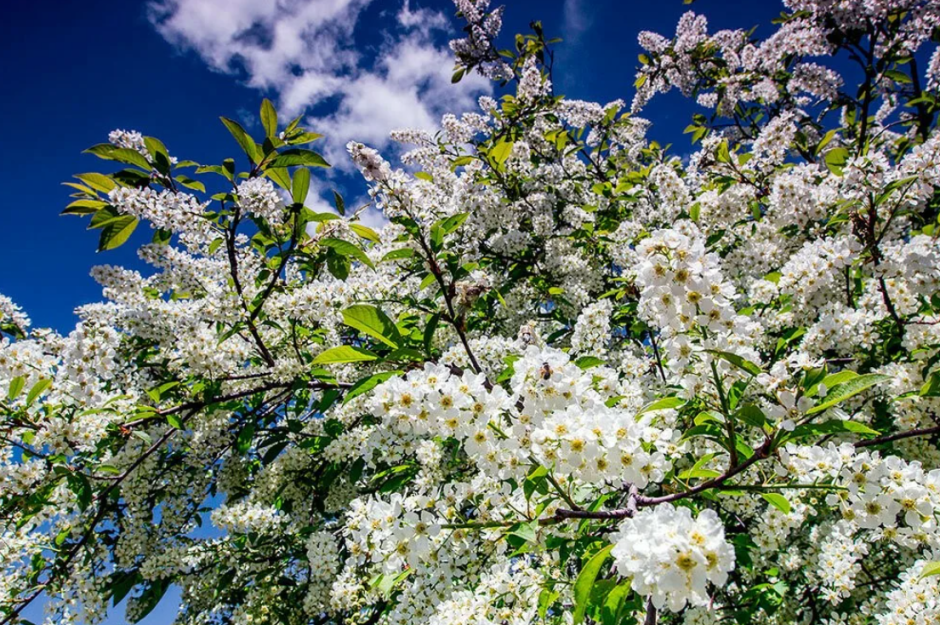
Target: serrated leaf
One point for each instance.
(372, 321)
(840, 392)
(340, 204)
(344, 354)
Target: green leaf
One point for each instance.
(526, 531)
(298, 157)
(174, 421)
(98, 182)
(245, 437)
(305, 137)
(269, 118)
(501, 151)
(16, 387)
(535, 481)
(778, 501)
(547, 598)
(612, 612)
(751, 415)
(116, 232)
(836, 159)
(666, 403)
(429, 331)
(37, 390)
(365, 232)
(588, 362)
(930, 569)
(835, 426)
(84, 207)
(372, 321)
(825, 140)
(158, 154)
(122, 155)
(406, 354)
(280, 176)
(244, 140)
(697, 471)
(340, 204)
(722, 155)
(737, 361)
(344, 354)
(585, 581)
(301, 184)
(347, 249)
(122, 583)
(453, 222)
(79, 485)
(840, 392)
(931, 387)
(367, 384)
(189, 183)
(405, 252)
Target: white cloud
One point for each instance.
(577, 20)
(303, 51)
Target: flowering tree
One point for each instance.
(574, 379)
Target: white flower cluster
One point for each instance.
(916, 600)
(671, 555)
(592, 331)
(244, 516)
(681, 286)
(130, 139)
(177, 212)
(374, 168)
(13, 314)
(258, 197)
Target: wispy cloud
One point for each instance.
(303, 52)
(577, 20)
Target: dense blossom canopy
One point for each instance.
(575, 378)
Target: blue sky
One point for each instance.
(74, 70)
